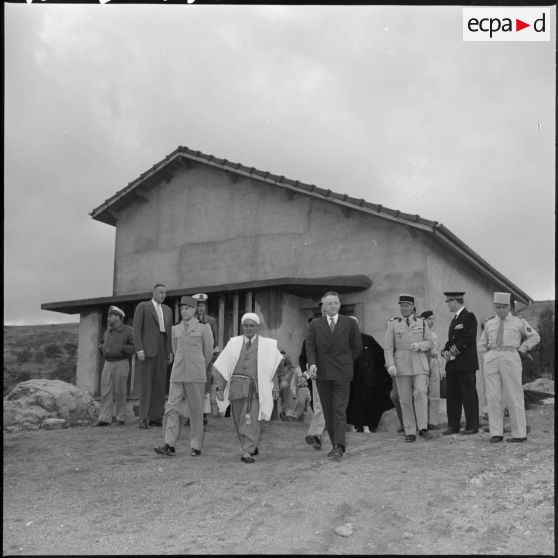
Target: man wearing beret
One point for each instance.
(247, 378)
(117, 348)
(503, 339)
(192, 346)
(152, 340)
(462, 363)
(406, 343)
(333, 343)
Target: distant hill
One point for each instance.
(41, 351)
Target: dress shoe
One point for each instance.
(314, 441)
(120, 423)
(341, 448)
(247, 459)
(517, 439)
(496, 439)
(468, 431)
(400, 430)
(425, 434)
(410, 438)
(155, 423)
(165, 450)
(335, 452)
(432, 427)
(195, 452)
(255, 452)
(359, 428)
(449, 431)
(102, 423)
(486, 428)
(143, 424)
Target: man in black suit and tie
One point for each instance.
(333, 343)
(462, 363)
(152, 341)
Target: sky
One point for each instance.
(385, 103)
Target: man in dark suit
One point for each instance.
(462, 363)
(333, 343)
(152, 340)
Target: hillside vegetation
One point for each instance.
(40, 351)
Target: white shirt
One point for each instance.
(334, 318)
(253, 340)
(459, 311)
(159, 315)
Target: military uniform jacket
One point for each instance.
(333, 352)
(462, 335)
(397, 346)
(518, 334)
(193, 351)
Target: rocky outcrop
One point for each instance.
(34, 403)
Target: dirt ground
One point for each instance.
(104, 491)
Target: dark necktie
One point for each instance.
(500, 334)
(408, 322)
(248, 344)
(331, 324)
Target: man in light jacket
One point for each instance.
(192, 344)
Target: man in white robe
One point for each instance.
(247, 378)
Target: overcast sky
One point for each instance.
(385, 103)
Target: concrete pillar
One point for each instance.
(88, 354)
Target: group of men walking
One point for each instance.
(246, 370)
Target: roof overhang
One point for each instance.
(301, 286)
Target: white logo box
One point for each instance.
(501, 24)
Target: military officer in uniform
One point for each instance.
(407, 340)
(462, 363)
(504, 338)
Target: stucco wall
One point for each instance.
(203, 229)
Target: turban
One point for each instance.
(250, 316)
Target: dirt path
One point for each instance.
(104, 491)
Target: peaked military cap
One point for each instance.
(426, 314)
(200, 297)
(116, 310)
(406, 299)
(188, 301)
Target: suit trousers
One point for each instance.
(502, 373)
(193, 393)
(462, 393)
(248, 434)
(317, 424)
(334, 396)
(413, 397)
(114, 382)
(153, 380)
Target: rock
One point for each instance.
(545, 385)
(345, 530)
(53, 424)
(30, 404)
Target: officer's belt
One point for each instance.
(504, 348)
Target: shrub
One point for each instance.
(65, 371)
(53, 350)
(39, 356)
(24, 356)
(71, 348)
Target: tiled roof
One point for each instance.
(182, 156)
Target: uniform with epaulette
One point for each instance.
(406, 342)
(500, 344)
